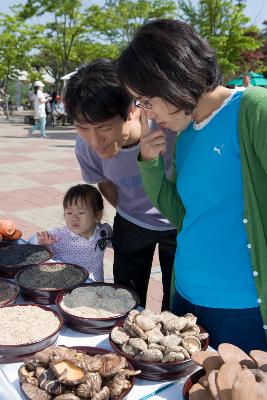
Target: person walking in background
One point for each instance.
(39, 109)
(84, 238)
(107, 145)
(217, 195)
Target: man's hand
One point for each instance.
(45, 239)
(152, 143)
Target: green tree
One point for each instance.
(65, 31)
(224, 24)
(16, 41)
(116, 22)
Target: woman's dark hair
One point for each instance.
(87, 194)
(36, 88)
(168, 59)
(94, 94)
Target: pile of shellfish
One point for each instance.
(230, 374)
(158, 337)
(62, 373)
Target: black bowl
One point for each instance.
(194, 378)
(158, 371)
(46, 295)
(14, 353)
(92, 351)
(93, 325)
(9, 269)
(15, 294)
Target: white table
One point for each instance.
(9, 383)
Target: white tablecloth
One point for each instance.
(9, 383)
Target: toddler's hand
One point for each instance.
(152, 143)
(45, 239)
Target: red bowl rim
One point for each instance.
(188, 383)
(26, 265)
(204, 347)
(32, 289)
(12, 298)
(63, 292)
(59, 317)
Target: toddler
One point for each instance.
(83, 240)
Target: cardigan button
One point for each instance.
(245, 220)
(249, 246)
(265, 327)
(259, 301)
(255, 273)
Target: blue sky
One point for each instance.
(256, 9)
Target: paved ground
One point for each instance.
(35, 173)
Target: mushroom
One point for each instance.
(68, 372)
(144, 322)
(26, 376)
(49, 382)
(90, 386)
(119, 383)
(111, 364)
(191, 344)
(34, 393)
(119, 335)
(102, 395)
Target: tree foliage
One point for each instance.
(224, 24)
(16, 40)
(117, 21)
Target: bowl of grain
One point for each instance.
(8, 292)
(96, 307)
(159, 344)
(16, 257)
(41, 283)
(26, 329)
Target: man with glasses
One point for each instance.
(107, 146)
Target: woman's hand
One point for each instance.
(45, 239)
(152, 143)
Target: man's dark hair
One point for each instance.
(88, 195)
(168, 59)
(93, 93)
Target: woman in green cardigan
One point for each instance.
(217, 196)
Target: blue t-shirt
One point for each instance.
(212, 264)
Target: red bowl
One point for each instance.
(158, 371)
(46, 295)
(194, 378)
(10, 270)
(92, 351)
(93, 325)
(12, 298)
(14, 353)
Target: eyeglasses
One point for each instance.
(145, 104)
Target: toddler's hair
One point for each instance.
(87, 194)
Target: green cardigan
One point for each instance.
(252, 127)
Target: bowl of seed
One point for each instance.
(41, 283)
(26, 329)
(96, 307)
(8, 292)
(15, 258)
